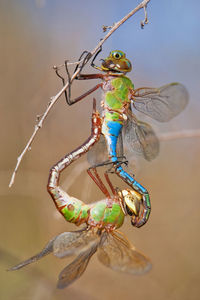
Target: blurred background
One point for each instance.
(37, 34)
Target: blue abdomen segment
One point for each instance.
(111, 132)
(136, 185)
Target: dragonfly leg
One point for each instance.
(58, 195)
(109, 162)
(85, 60)
(111, 135)
(96, 178)
(114, 191)
(77, 99)
(68, 91)
(92, 63)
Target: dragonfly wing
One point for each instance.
(47, 250)
(118, 254)
(74, 270)
(99, 153)
(120, 146)
(74, 243)
(161, 104)
(141, 139)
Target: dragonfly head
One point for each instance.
(116, 62)
(132, 201)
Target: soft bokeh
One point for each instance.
(35, 35)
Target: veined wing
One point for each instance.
(140, 138)
(118, 254)
(74, 270)
(99, 153)
(47, 250)
(74, 243)
(161, 104)
(64, 244)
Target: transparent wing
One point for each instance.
(161, 104)
(64, 244)
(140, 138)
(118, 254)
(98, 153)
(74, 270)
(47, 250)
(74, 243)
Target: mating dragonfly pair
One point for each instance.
(116, 125)
(118, 122)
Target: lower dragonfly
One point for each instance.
(102, 218)
(119, 124)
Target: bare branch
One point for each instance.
(54, 99)
(145, 21)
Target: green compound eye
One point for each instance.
(117, 54)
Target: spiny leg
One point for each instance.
(111, 163)
(110, 183)
(80, 66)
(85, 76)
(57, 194)
(67, 95)
(87, 57)
(96, 178)
(68, 91)
(92, 63)
(85, 60)
(81, 63)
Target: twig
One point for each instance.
(145, 21)
(54, 99)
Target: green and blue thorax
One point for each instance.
(116, 97)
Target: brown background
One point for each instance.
(35, 36)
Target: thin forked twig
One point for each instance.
(54, 99)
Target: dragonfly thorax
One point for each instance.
(116, 100)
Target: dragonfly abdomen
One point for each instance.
(73, 210)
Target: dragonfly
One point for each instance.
(102, 219)
(118, 121)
